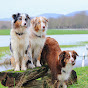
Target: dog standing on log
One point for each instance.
(37, 39)
(59, 62)
(19, 40)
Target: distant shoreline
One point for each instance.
(53, 31)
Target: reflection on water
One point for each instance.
(5, 67)
(5, 63)
(78, 63)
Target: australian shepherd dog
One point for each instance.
(37, 38)
(19, 40)
(60, 62)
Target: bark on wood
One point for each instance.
(28, 78)
(19, 79)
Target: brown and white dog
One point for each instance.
(19, 41)
(37, 37)
(59, 62)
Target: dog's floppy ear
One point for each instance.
(45, 19)
(15, 15)
(33, 21)
(28, 16)
(62, 54)
(61, 57)
(75, 53)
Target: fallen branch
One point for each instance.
(19, 79)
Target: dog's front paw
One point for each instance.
(17, 69)
(31, 66)
(24, 68)
(38, 63)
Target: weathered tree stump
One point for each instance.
(19, 79)
(28, 78)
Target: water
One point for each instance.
(5, 67)
(62, 40)
(4, 40)
(70, 39)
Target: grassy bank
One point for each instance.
(61, 32)
(53, 32)
(82, 78)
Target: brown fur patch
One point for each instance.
(50, 55)
(18, 24)
(37, 24)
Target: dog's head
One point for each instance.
(20, 20)
(39, 24)
(67, 57)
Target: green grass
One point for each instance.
(83, 43)
(52, 32)
(82, 78)
(4, 51)
(61, 32)
(68, 46)
(1, 86)
(5, 32)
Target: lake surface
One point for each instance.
(62, 40)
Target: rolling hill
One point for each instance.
(52, 15)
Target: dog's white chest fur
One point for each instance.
(37, 42)
(65, 72)
(19, 43)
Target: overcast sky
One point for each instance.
(37, 7)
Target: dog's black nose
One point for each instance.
(24, 23)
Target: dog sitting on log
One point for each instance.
(59, 62)
(19, 41)
(37, 38)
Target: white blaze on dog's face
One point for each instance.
(40, 24)
(20, 20)
(68, 57)
(71, 60)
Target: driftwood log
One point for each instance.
(21, 79)
(28, 78)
